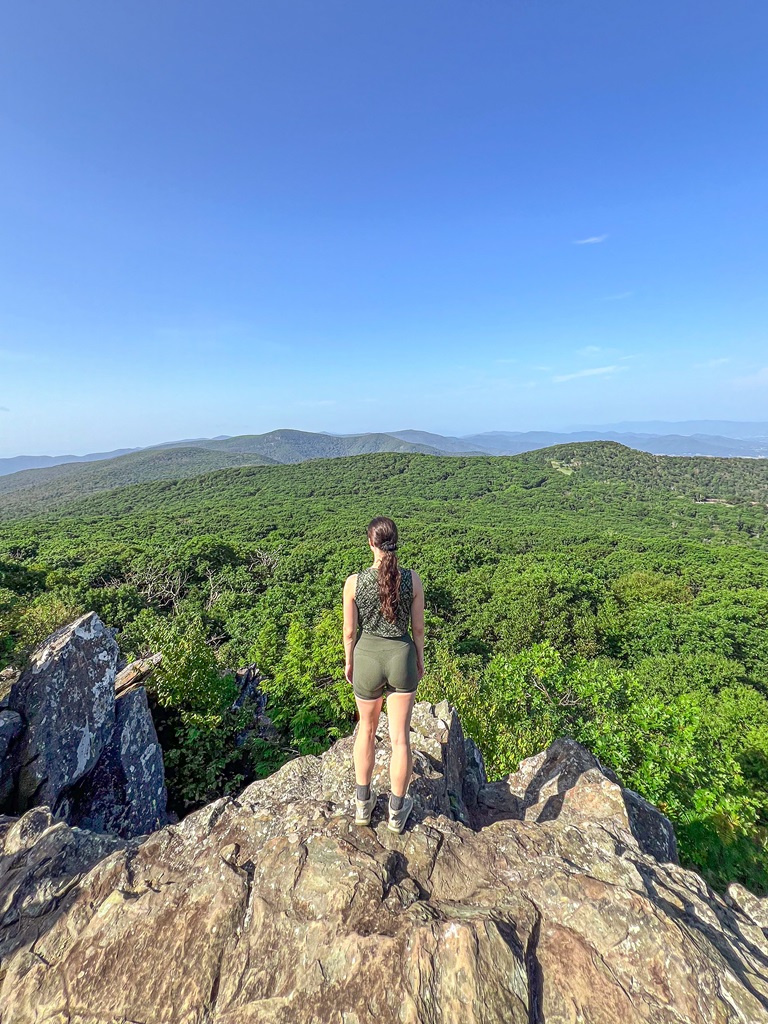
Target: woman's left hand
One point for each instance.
(348, 671)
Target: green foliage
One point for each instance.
(208, 755)
(44, 614)
(7, 623)
(309, 693)
(201, 762)
(640, 587)
(34, 490)
(197, 725)
(188, 675)
(545, 603)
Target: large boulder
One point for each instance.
(274, 908)
(125, 792)
(567, 781)
(79, 739)
(66, 699)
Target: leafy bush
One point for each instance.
(308, 692)
(42, 616)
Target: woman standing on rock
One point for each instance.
(384, 660)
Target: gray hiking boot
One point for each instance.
(397, 819)
(364, 810)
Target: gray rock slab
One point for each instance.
(66, 699)
(125, 792)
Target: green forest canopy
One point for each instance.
(586, 589)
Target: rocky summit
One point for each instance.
(551, 896)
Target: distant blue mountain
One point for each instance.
(20, 462)
(500, 442)
(720, 428)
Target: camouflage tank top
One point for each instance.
(369, 606)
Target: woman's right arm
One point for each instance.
(350, 624)
(417, 620)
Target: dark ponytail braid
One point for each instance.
(382, 533)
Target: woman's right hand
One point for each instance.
(420, 666)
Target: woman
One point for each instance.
(384, 660)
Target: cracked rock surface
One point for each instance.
(552, 896)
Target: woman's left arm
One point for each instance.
(350, 624)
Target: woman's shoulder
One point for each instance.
(411, 577)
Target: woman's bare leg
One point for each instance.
(365, 739)
(399, 708)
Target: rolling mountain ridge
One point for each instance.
(746, 440)
(29, 489)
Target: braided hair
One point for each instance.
(382, 533)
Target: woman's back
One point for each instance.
(368, 604)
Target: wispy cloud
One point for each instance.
(503, 361)
(712, 362)
(592, 240)
(589, 350)
(616, 297)
(593, 371)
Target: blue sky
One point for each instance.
(223, 218)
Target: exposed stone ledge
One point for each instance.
(546, 897)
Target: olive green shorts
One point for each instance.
(383, 664)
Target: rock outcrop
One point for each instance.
(567, 782)
(135, 674)
(553, 897)
(67, 700)
(125, 793)
(67, 743)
